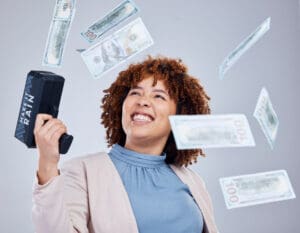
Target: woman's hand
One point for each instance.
(46, 137)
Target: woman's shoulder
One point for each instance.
(196, 176)
(86, 160)
(188, 174)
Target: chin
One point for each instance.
(139, 136)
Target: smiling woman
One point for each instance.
(154, 86)
(142, 184)
(145, 117)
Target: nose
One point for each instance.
(143, 101)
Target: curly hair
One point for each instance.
(188, 93)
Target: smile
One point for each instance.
(141, 117)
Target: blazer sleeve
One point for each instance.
(61, 205)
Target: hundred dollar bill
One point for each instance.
(116, 48)
(116, 16)
(63, 9)
(254, 189)
(266, 117)
(204, 131)
(243, 47)
(60, 25)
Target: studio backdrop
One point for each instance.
(245, 54)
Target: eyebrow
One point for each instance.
(154, 90)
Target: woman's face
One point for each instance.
(145, 112)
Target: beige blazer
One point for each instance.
(89, 196)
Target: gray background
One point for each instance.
(200, 32)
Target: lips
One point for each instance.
(142, 117)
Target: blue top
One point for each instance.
(161, 202)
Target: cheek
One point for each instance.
(125, 110)
(166, 111)
(124, 122)
(172, 108)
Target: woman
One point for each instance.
(142, 185)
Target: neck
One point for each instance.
(151, 148)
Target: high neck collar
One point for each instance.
(138, 159)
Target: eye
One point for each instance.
(160, 96)
(134, 93)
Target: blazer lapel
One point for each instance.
(186, 178)
(116, 193)
(117, 214)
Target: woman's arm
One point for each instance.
(61, 204)
(59, 200)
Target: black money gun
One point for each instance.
(42, 94)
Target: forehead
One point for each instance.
(149, 81)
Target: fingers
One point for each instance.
(40, 120)
(56, 131)
(50, 125)
(51, 130)
(47, 132)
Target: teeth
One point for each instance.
(140, 117)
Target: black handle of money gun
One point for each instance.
(65, 142)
